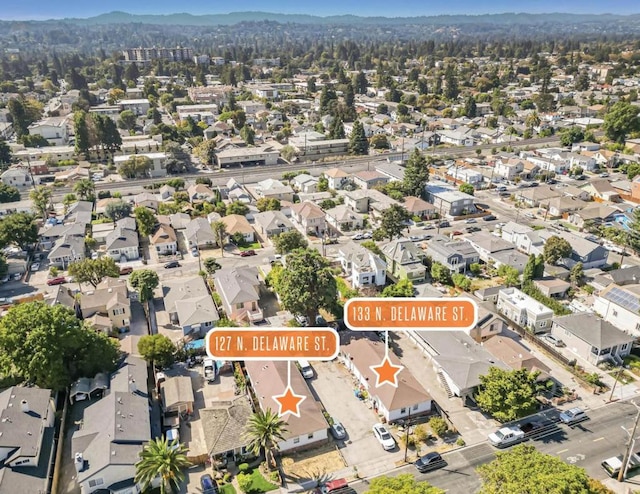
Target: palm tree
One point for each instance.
(219, 232)
(164, 459)
(262, 431)
(532, 120)
(85, 188)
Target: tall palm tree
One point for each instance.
(84, 188)
(164, 459)
(262, 431)
(532, 120)
(219, 233)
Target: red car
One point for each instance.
(56, 281)
(247, 253)
(126, 270)
(457, 233)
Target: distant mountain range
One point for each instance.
(185, 19)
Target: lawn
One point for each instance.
(253, 246)
(227, 489)
(257, 483)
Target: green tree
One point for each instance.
(403, 288)
(47, 345)
(529, 269)
(336, 129)
(372, 246)
(41, 199)
(451, 90)
(571, 135)
(8, 193)
(81, 132)
(470, 107)
(206, 152)
(358, 143)
(439, 426)
(237, 207)
(510, 275)
(539, 271)
(144, 281)
(392, 222)
(416, 174)
(157, 350)
(286, 242)
(85, 189)
(116, 210)
(263, 432)
(268, 204)
(379, 141)
(93, 271)
(440, 273)
(145, 219)
(19, 117)
(577, 274)
(404, 483)
(137, 166)
(467, 188)
(461, 281)
(211, 265)
(475, 268)
(127, 120)
(556, 248)
(164, 459)
(5, 152)
(508, 394)
(307, 284)
(19, 229)
(220, 234)
(248, 135)
(621, 120)
(525, 469)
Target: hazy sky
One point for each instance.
(45, 9)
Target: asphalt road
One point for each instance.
(585, 445)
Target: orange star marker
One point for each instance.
(386, 372)
(289, 402)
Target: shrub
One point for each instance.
(274, 477)
(438, 426)
(460, 442)
(421, 433)
(244, 481)
(104, 194)
(243, 467)
(227, 478)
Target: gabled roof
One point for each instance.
(190, 300)
(593, 330)
(223, 423)
(237, 285)
(237, 223)
(163, 235)
(415, 204)
(176, 390)
(403, 251)
(335, 173)
(308, 210)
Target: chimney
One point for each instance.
(24, 404)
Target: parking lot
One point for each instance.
(333, 385)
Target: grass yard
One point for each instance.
(253, 246)
(256, 482)
(227, 489)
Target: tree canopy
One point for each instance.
(556, 248)
(144, 281)
(157, 349)
(145, 220)
(93, 271)
(137, 166)
(50, 347)
(116, 210)
(8, 193)
(18, 229)
(508, 394)
(621, 120)
(416, 174)
(358, 143)
(268, 204)
(289, 241)
(393, 222)
(404, 483)
(164, 459)
(403, 288)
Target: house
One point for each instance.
(512, 230)
(489, 323)
(601, 190)
(164, 240)
(199, 233)
(315, 150)
(456, 255)
(221, 422)
(362, 266)
(107, 442)
(558, 207)
(592, 338)
(404, 260)
(620, 306)
(72, 174)
(158, 163)
(590, 254)
(369, 179)
(419, 208)
(310, 217)
(122, 244)
(259, 155)
(176, 394)
(357, 200)
(515, 355)
(305, 183)
(177, 221)
(487, 245)
(552, 287)
(344, 219)
(239, 290)
(67, 249)
(508, 168)
(393, 403)
(109, 298)
(190, 305)
(534, 196)
(524, 310)
(200, 192)
(237, 223)
(271, 188)
(53, 129)
(139, 106)
(27, 439)
(489, 294)
(272, 223)
(165, 193)
(147, 200)
(270, 378)
(466, 175)
(17, 176)
(394, 171)
(336, 178)
(457, 360)
(593, 214)
(450, 202)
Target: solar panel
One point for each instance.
(625, 299)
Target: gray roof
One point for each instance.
(627, 297)
(403, 251)
(57, 231)
(593, 330)
(115, 428)
(272, 220)
(223, 424)
(512, 258)
(447, 247)
(190, 300)
(68, 246)
(87, 385)
(488, 242)
(200, 228)
(30, 479)
(121, 238)
(625, 276)
(391, 170)
(176, 390)
(237, 285)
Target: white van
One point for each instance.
(173, 435)
(306, 369)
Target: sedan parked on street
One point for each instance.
(430, 461)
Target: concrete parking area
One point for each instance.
(333, 385)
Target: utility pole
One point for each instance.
(407, 434)
(613, 388)
(627, 454)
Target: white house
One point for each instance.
(17, 176)
(524, 310)
(53, 129)
(362, 266)
(158, 162)
(620, 306)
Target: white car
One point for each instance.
(35, 266)
(384, 437)
(358, 236)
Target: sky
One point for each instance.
(46, 9)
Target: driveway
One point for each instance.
(333, 385)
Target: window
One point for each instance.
(543, 324)
(615, 313)
(624, 347)
(296, 440)
(403, 411)
(310, 436)
(415, 407)
(117, 312)
(96, 482)
(239, 306)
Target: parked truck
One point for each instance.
(514, 434)
(209, 370)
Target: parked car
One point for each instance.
(16, 277)
(367, 235)
(35, 266)
(490, 217)
(94, 255)
(275, 258)
(471, 220)
(301, 320)
(331, 241)
(56, 281)
(194, 252)
(549, 338)
(208, 484)
(573, 416)
(501, 188)
(337, 430)
(430, 226)
(126, 270)
(5, 278)
(248, 253)
(603, 175)
(358, 236)
(444, 224)
(172, 264)
(415, 238)
(384, 437)
(457, 232)
(430, 461)
(581, 177)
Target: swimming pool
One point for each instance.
(623, 220)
